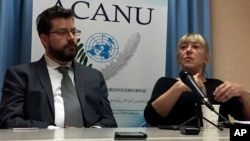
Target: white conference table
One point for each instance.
(107, 134)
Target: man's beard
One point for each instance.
(67, 53)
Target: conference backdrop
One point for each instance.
(125, 40)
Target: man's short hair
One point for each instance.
(43, 20)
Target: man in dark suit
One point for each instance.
(32, 94)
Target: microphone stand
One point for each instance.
(198, 116)
(188, 79)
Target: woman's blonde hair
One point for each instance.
(193, 37)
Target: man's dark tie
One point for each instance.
(73, 113)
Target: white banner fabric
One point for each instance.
(124, 39)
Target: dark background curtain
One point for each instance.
(16, 21)
(15, 34)
(185, 16)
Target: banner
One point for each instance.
(125, 40)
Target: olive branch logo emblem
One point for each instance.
(81, 56)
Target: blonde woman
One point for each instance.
(172, 102)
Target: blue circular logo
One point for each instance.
(101, 47)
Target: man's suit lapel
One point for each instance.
(42, 72)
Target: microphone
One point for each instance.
(188, 79)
